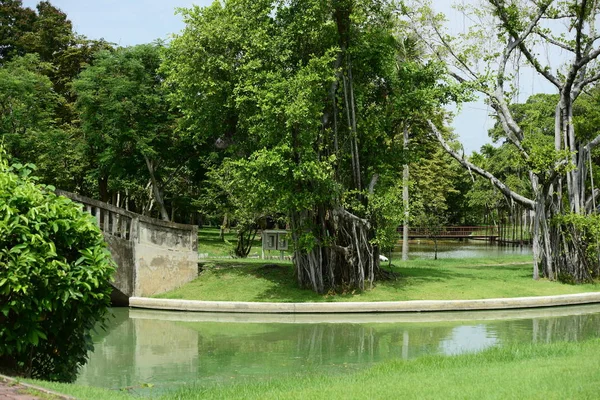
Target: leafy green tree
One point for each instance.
(129, 127)
(50, 33)
(15, 22)
(298, 95)
(28, 123)
(433, 185)
(55, 276)
(487, 61)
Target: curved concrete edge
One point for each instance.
(364, 307)
(367, 318)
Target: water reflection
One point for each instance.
(461, 249)
(169, 349)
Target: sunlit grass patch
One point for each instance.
(444, 279)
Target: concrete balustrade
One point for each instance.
(152, 256)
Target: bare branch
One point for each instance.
(373, 183)
(589, 203)
(451, 51)
(592, 144)
(513, 131)
(579, 29)
(590, 57)
(458, 78)
(553, 41)
(467, 164)
(559, 17)
(580, 86)
(518, 40)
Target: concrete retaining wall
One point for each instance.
(166, 257)
(368, 307)
(152, 256)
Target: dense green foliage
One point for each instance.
(295, 112)
(129, 127)
(54, 279)
(304, 98)
(110, 133)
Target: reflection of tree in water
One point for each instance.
(170, 353)
(548, 330)
(137, 351)
(114, 350)
(293, 348)
(571, 329)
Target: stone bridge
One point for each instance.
(152, 256)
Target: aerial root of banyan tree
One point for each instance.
(342, 256)
(576, 254)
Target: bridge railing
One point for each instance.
(110, 219)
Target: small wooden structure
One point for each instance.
(274, 239)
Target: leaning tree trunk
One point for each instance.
(157, 190)
(542, 237)
(405, 177)
(246, 235)
(333, 251)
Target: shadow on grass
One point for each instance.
(516, 271)
(284, 287)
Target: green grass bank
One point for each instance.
(444, 279)
(533, 371)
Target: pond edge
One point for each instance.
(364, 307)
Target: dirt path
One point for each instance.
(14, 390)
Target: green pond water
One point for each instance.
(170, 349)
(460, 249)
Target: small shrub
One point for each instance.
(54, 279)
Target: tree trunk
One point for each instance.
(346, 261)
(405, 177)
(157, 191)
(246, 235)
(103, 188)
(222, 228)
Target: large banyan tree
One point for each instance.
(302, 98)
(559, 42)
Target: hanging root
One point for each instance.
(341, 258)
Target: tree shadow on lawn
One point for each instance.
(284, 287)
(518, 270)
(416, 276)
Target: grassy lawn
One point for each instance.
(529, 371)
(210, 244)
(445, 279)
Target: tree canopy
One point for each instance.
(302, 98)
(486, 59)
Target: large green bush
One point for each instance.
(54, 279)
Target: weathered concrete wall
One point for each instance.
(166, 256)
(152, 256)
(122, 252)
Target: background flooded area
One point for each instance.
(170, 349)
(460, 249)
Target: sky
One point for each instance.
(131, 22)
